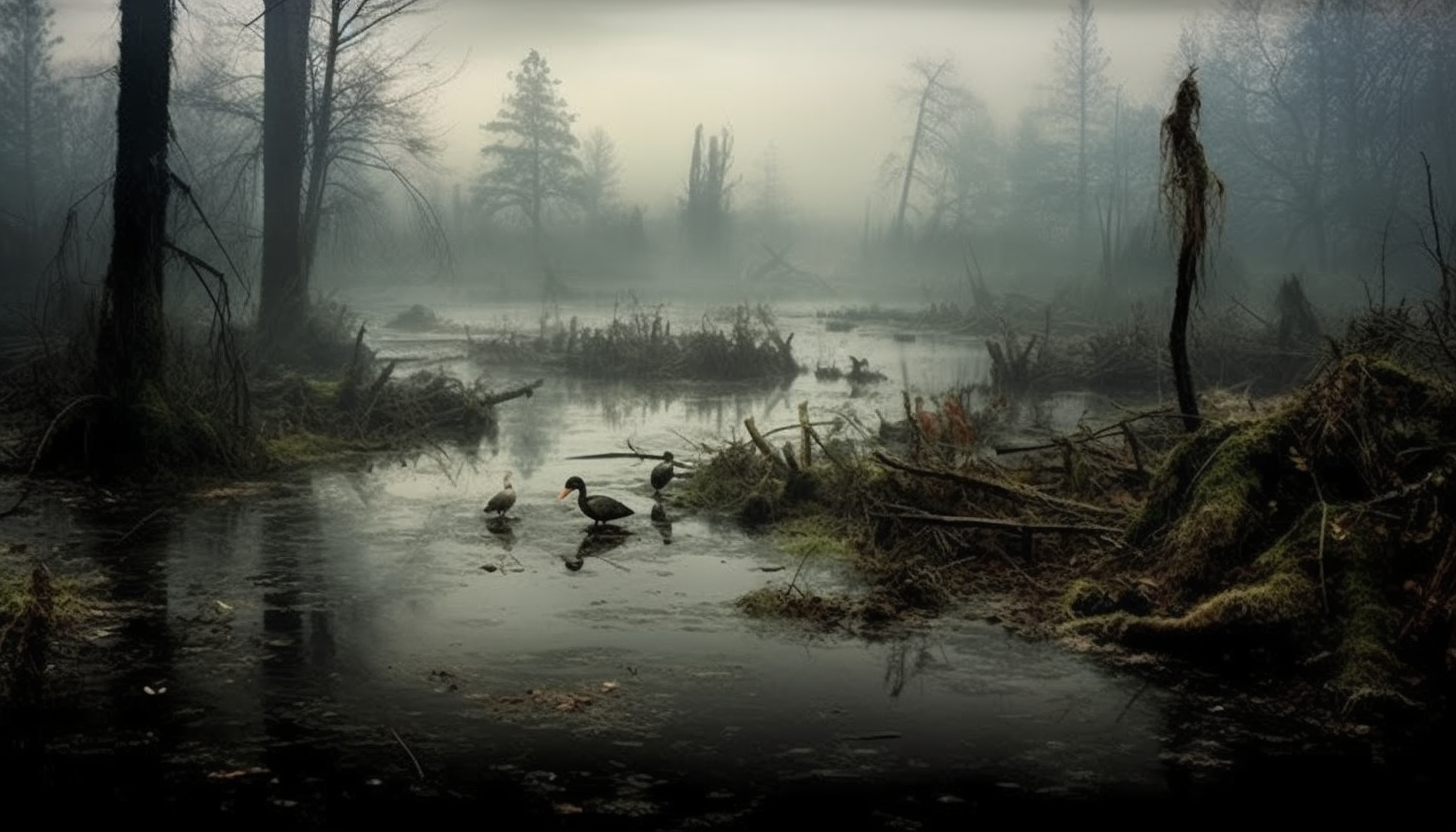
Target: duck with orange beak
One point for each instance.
(598, 507)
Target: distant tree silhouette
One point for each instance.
(533, 162)
(706, 206)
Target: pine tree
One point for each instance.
(533, 157)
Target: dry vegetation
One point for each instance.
(640, 344)
(1309, 530)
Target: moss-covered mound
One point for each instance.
(1321, 531)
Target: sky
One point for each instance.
(818, 79)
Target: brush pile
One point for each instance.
(641, 344)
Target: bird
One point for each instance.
(600, 508)
(662, 473)
(503, 499)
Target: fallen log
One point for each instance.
(628, 455)
(518, 392)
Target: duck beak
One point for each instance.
(564, 492)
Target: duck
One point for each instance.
(662, 473)
(598, 507)
(503, 499)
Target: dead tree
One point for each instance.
(1192, 197)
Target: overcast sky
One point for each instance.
(818, 79)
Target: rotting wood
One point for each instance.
(1004, 488)
(805, 446)
(516, 393)
(762, 444)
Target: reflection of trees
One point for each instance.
(298, 635)
(907, 659)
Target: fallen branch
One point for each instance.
(995, 523)
(516, 393)
(628, 455)
(1003, 488)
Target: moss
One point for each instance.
(1084, 597)
(816, 534)
(305, 448)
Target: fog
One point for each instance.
(819, 99)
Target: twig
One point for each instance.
(139, 524)
(45, 438)
(418, 770)
(1324, 524)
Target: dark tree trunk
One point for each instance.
(283, 303)
(131, 341)
(1178, 337)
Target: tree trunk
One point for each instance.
(1178, 337)
(899, 229)
(131, 341)
(318, 167)
(283, 302)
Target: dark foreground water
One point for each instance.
(361, 647)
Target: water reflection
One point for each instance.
(661, 522)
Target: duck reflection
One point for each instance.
(598, 542)
(662, 522)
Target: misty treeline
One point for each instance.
(1315, 113)
(367, 145)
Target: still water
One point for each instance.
(361, 641)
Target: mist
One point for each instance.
(907, 414)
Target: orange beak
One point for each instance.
(564, 492)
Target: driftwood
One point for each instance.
(627, 455)
(516, 393)
(1005, 489)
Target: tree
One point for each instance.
(358, 117)
(1192, 197)
(597, 190)
(936, 100)
(533, 158)
(131, 340)
(283, 302)
(30, 108)
(705, 210)
(1080, 91)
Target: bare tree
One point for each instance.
(359, 115)
(935, 107)
(1081, 91)
(597, 190)
(1192, 197)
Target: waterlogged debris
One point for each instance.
(608, 687)
(236, 773)
(224, 606)
(568, 809)
(770, 568)
(490, 567)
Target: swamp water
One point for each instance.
(363, 645)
